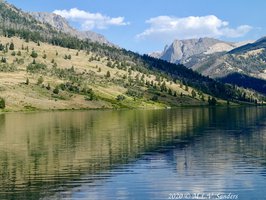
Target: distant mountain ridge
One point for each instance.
(249, 59)
(242, 64)
(182, 51)
(61, 24)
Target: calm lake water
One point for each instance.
(190, 153)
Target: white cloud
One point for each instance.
(169, 28)
(89, 20)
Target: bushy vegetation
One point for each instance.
(5, 67)
(34, 54)
(37, 67)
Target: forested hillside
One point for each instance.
(64, 68)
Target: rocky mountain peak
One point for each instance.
(61, 24)
(182, 51)
(54, 20)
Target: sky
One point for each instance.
(146, 26)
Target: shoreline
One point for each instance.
(3, 111)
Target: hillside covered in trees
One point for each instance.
(41, 68)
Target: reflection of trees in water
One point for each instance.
(233, 135)
(43, 150)
(2, 122)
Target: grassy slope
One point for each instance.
(20, 96)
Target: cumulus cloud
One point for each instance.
(191, 27)
(89, 20)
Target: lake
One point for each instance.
(186, 153)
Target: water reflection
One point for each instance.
(131, 154)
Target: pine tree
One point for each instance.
(27, 81)
(11, 46)
(3, 60)
(108, 74)
(170, 91)
(2, 103)
(193, 94)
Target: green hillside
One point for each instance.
(41, 68)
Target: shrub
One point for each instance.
(154, 98)
(7, 67)
(91, 96)
(36, 67)
(120, 98)
(20, 61)
(109, 64)
(56, 90)
(40, 80)
(134, 92)
(34, 54)
(48, 87)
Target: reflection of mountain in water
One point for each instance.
(43, 151)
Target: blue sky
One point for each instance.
(148, 25)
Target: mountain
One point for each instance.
(242, 64)
(249, 59)
(61, 24)
(259, 44)
(44, 68)
(183, 51)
